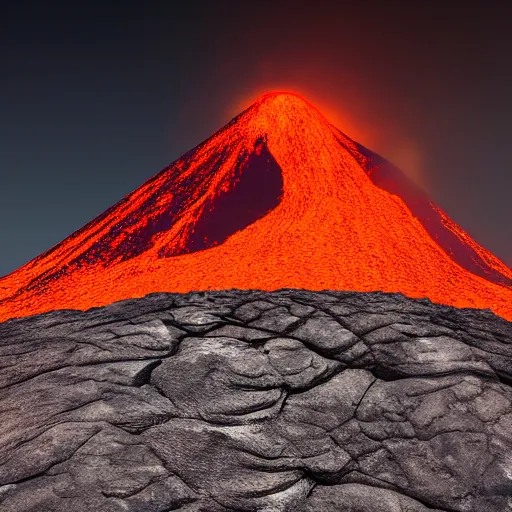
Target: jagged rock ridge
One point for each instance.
(257, 401)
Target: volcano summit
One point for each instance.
(278, 198)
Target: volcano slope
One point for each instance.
(278, 198)
(240, 400)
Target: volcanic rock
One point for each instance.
(241, 400)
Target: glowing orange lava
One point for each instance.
(324, 225)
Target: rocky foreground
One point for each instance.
(257, 401)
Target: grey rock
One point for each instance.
(298, 366)
(245, 400)
(220, 380)
(276, 320)
(325, 334)
(361, 498)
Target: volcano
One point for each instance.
(278, 198)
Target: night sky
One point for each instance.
(97, 97)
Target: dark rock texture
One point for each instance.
(256, 401)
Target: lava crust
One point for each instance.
(285, 401)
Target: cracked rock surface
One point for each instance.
(257, 401)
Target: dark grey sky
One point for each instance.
(95, 98)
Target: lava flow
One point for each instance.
(278, 198)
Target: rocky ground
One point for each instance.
(256, 401)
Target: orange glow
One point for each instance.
(332, 228)
(333, 113)
(389, 141)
